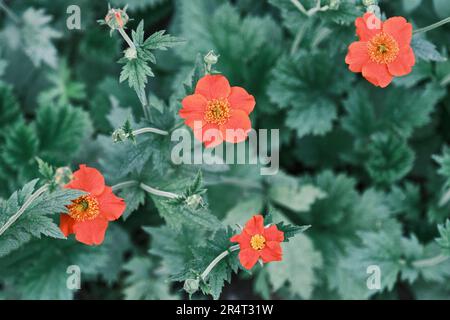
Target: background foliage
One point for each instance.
(367, 168)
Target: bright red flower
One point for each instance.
(256, 241)
(217, 112)
(384, 50)
(89, 214)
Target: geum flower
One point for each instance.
(257, 242)
(88, 215)
(217, 112)
(384, 50)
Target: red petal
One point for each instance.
(248, 258)
(357, 56)
(66, 224)
(193, 106)
(87, 179)
(368, 26)
(273, 234)
(209, 134)
(236, 129)
(404, 62)
(400, 29)
(271, 252)
(243, 239)
(213, 87)
(111, 207)
(240, 99)
(377, 74)
(91, 232)
(255, 225)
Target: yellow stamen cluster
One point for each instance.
(258, 242)
(218, 111)
(84, 208)
(383, 48)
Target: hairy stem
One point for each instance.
(124, 184)
(300, 7)
(433, 26)
(157, 192)
(22, 209)
(143, 186)
(217, 260)
(150, 130)
(431, 262)
(9, 13)
(127, 38)
(298, 38)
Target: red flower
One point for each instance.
(384, 49)
(217, 112)
(89, 214)
(256, 242)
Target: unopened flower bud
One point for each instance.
(116, 18)
(130, 53)
(119, 135)
(194, 201)
(63, 176)
(334, 4)
(211, 58)
(369, 3)
(191, 285)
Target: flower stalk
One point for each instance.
(150, 130)
(430, 262)
(213, 263)
(146, 188)
(9, 13)
(24, 207)
(433, 26)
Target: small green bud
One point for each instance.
(191, 285)
(63, 176)
(369, 3)
(130, 53)
(211, 58)
(119, 135)
(334, 4)
(194, 201)
(116, 18)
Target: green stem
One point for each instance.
(146, 188)
(178, 125)
(217, 260)
(433, 26)
(150, 130)
(300, 7)
(431, 262)
(157, 192)
(124, 184)
(127, 38)
(9, 13)
(24, 207)
(298, 38)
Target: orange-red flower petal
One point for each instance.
(240, 99)
(91, 232)
(87, 179)
(213, 87)
(111, 206)
(237, 127)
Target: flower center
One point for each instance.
(383, 48)
(218, 111)
(258, 242)
(84, 208)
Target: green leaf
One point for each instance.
(9, 108)
(34, 221)
(287, 192)
(301, 84)
(444, 237)
(61, 129)
(21, 145)
(300, 260)
(37, 36)
(425, 50)
(390, 158)
(144, 282)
